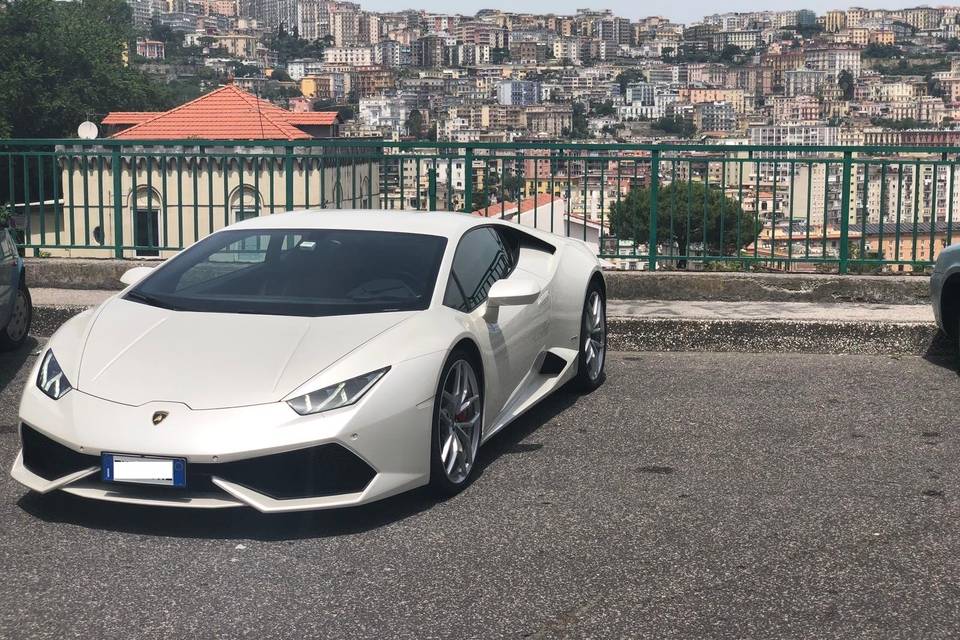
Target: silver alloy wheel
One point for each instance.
(595, 337)
(17, 327)
(461, 406)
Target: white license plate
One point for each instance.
(169, 472)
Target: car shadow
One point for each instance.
(12, 361)
(941, 352)
(245, 523)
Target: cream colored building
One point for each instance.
(168, 203)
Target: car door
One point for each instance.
(9, 274)
(512, 343)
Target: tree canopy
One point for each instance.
(63, 63)
(290, 46)
(676, 125)
(847, 83)
(684, 210)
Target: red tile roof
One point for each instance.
(129, 117)
(510, 209)
(323, 118)
(227, 113)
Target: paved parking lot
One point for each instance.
(694, 495)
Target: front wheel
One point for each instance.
(457, 421)
(18, 326)
(593, 341)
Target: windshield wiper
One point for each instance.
(151, 300)
(369, 299)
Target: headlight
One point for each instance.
(336, 395)
(50, 379)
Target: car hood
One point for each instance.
(136, 353)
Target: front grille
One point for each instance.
(48, 458)
(324, 470)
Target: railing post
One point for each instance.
(432, 188)
(654, 196)
(844, 212)
(116, 164)
(468, 180)
(288, 177)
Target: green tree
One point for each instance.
(730, 52)
(290, 46)
(346, 111)
(628, 76)
(687, 213)
(882, 51)
(935, 88)
(499, 55)
(579, 128)
(414, 124)
(677, 125)
(604, 108)
(847, 83)
(63, 62)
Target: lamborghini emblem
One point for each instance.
(159, 417)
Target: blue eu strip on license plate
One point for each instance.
(168, 472)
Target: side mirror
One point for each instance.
(510, 292)
(135, 275)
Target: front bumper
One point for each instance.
(263, 456)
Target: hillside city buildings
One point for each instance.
(848, 77)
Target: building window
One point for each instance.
(146, 209)
(146, 232)
(244, 204)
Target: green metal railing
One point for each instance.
(842, 209)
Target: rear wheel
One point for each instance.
(18, 326)
(593, 340)
(457, 421)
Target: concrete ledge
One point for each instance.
(76, 273)
(80, 273)
(766, 287)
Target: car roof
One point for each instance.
(438, 223)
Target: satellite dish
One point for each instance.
(87, 130)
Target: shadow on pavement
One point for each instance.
(249, 524)
(12, 361)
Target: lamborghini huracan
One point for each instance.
(312, 360)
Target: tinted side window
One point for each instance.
(481, 260)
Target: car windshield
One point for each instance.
(298, 272)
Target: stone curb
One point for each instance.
(747, 336)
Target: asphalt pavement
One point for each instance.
(695, 495)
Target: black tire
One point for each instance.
(441, 483)
(588, 378)
(10, 342)
(955, 340)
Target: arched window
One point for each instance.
(244, 204)
(146, 207)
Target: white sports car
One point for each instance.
(312, 360)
